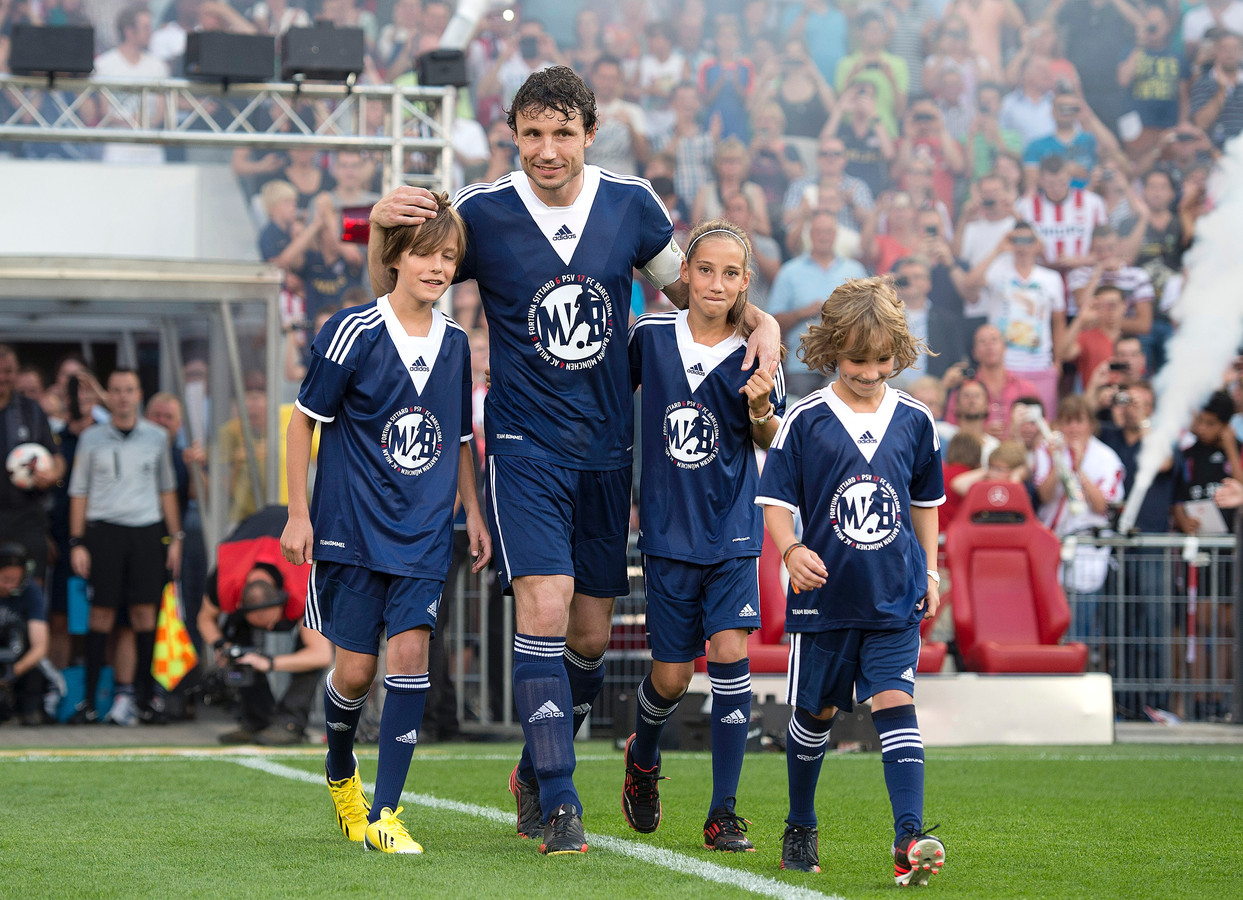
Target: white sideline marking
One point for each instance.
(667, 859)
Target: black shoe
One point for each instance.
(917, 856)
(153, 713)
(241, 735)
(277, 735)
(83, 714)
(526, 795)
(564, 833)
(800, 848)
(641, 795)
(726, 831)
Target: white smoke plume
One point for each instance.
(1209, 314)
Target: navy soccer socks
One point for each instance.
(902, 752)
(586, 678)
(545, 710)
(731, 717)
(806, 740)
(341, 719)
(404, 700)
(652, 711)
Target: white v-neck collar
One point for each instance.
(866, 430)
(418, 354)
(562, 226)
(699, 360)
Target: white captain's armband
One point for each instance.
(665, 267)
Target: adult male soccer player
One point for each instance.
(553, 249)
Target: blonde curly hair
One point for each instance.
(861, 319)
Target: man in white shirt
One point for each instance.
(130, 61)
(621, 143)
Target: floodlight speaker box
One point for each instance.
(439, 68)
(59, 49)
(322, 52)
(222, 56)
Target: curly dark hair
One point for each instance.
(557, 88)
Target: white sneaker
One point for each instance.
(124, 711)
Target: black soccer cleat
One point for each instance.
(800, 848)
(641, 795)
(84, 714)
(563, 833)
(917, 856)
(725, 830)
(526, 795)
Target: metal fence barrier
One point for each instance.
(1162, 625)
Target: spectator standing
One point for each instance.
(926, 138)
(662, 67)
(1002, 388)
(804, 195)
(987, 142)
(900, 236)
(1151, 77)
(621, 143)
(799, 291)
(1096, 35)
(775, 163)
(985, 220)
(947, 275)
(987, 21)
(1109, 268)
(23, 513)
(328, 266)
(1063, 219)
(131, 61)
(122, 505)
(911, 24)
(823, 30)
(588, 46)
(870, 147)
(727, 81)
(765, 257)
(954, 53)
(528, 50)
(872, 62)
(307, 176)
(1089, 339)
(912, 282)
(352, 172)
(1027, 303)
(731, 166)
(692, 145)
(1216, 102)
(1080, 147)
(1028, 109)
(792, 83)
(1201, 18)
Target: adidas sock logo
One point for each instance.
(410, 737)
(549, 710)
(735, 718)
(339, 726)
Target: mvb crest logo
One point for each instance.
(692, 435)
(411, 440)
(570, 322)
(865, 512)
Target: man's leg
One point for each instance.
(542, 687)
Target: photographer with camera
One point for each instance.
(23, 638)
(256, 629)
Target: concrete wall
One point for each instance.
(172, 211)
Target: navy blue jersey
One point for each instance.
(854, 477)
(696, 497)
(393, 409)
(555, 284)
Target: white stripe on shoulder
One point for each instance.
(347, 344)
(453, 324)
(637, 182)
(347, 325)
(663, 318)
(811, 400)
(907, 399)
(472, 190)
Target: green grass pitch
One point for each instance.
(1124, 821)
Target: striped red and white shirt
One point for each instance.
(1065, 228)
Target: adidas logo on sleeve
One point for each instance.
(735, 718)
(549, 710)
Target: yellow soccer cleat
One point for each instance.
(388, 835)
(351, 804)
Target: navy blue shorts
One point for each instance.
(687, 603)
(832, 668)
(350, 605)
(550, 520)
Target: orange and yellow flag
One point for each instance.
(174, 651)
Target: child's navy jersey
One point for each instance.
(697, 493)
(555, 284)
(394, 410)
(854, 477)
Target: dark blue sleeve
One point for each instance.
(334, 356)
(655, 227)
(636, 355)
(779, 390)
(35, 603)
(927, 477)
(781, 480)
(468, 430)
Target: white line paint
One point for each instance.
(666, 859)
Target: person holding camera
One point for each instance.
(23, 638)
(255, 627)
(925, 138)
(1078, 136)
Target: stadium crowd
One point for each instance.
(1030, 174)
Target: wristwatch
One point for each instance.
(934, 575)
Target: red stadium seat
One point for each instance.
(766, 648)
(931, 653)
(1009, 610)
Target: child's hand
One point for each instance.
(932, 602)
(480, 542)
(807, 570)
(759, 389)
(297, 540)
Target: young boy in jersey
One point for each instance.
(860, 462)
(699, 530)
(389, 383)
